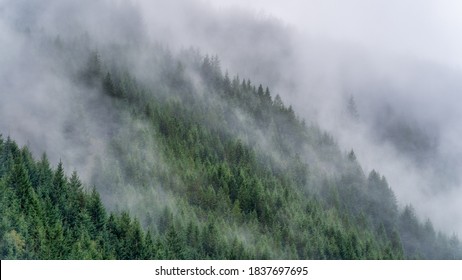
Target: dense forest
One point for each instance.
(197, 164)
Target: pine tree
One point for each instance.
(174, 244)
(352, 109)
(97, 214)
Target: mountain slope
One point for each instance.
(192, 162)
(212, 167)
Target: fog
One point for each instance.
(399, 60)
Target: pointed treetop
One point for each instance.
(352, 156)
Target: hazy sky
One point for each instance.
(426, 29)
(317, 53)
(408, 41)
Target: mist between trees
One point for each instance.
(179, 159)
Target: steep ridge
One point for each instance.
(210, 166)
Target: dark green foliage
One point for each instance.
(216, 171)
(234, 181)
(61, 222)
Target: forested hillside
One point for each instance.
(197, 164)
